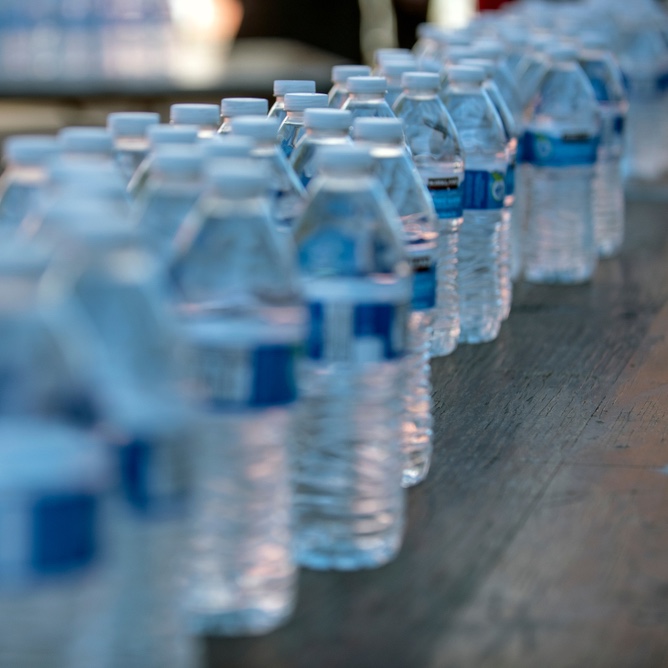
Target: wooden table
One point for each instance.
(540, 538)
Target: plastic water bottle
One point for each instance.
(87, 143)
(561, 144)
(605, 77)
(338, 93)
(484, 145)
(26, 159)
(281, 88)
(323, 127)
(383, 56)
(384, 138)
(292, 127)
(434, 143)
(160, 135)
(231, 107)
(349, 503)
(205, 116)
(174, 185)
(393, 70)
(244, 324)
(367, 98)
(131, 144)
(287, 194)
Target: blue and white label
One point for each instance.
(619, 124)
(568, 150)
(370, 332)
(231, 378)
(424, 280)
(510, 180)
(484, 190)
(447, 194)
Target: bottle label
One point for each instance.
(484, 190)
(370, 332)
(619, 124)
(447, 193)
(662, 82)
(510, 180)
(424, 281)
(600, 87)
(569, 150)
(231, 378)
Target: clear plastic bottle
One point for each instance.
(87, 143)
(323, 127)
(281, 88)
(287, 194)
(131, 144)
(26, 159)
(231, 107)
(366, 98)
(605, 77)
(172, 188)
(160, 135)
(434, 143)
(292, 127)
(484, 144)
(244, 323)
(205, 116)
(393, 69)
(384, 138)
(385, 55)
(338, 93)
(349, 503)
(561, 144)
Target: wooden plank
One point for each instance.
(507, 416)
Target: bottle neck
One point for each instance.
(367, 97)
(295, 116)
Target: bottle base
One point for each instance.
(562, 277)
(476, 336)
(251, 621)
(442, 345)
(414, 475)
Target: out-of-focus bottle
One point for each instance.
(231, 107)
(323, 127)
(131, 145)
(292, 127)
(384, 138)
(349, 502)
(366, 98)
(281, 88)
(338, 93)
(561, 145)
(205, 116)
(434, 143)
(485, 152)
(236, 294)
(393, 70)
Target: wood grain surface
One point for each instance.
(540, 538)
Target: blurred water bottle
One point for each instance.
(205, 116)
(434, 143)
(383, 56)
(605, 77)
(281, 88)
(26, 159)
(131, 146)
(231, 107)
(160, 135)
(87, 143)
(484, 145)
(430, 38)
(323, 127)
(644, 60)
(338, 93)
(367, 98)
(287, 194)
(384, 138)
(292, 127)
(560, 144)
(348, 464)
(393, 70)
(173, 186)
(236, 292)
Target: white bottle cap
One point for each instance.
(328, 119)
(228, 146)
(30, 150)
(484, 64)
(259, 128)
(171, 134)
(131, 123)
(285, 86)
(177, 160)
(389, 130)
(194, 114)
(428, 31)
(489, 48)
(381, 56)
(86, 140)
(562, 52)
(243, 106)
(457, 53)
(344, 160)
(429, 65)
(421, 81)
(341, 73)
(465, 73)
(302, 101)
(393, 69)
(372, 85)
(236, 178)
